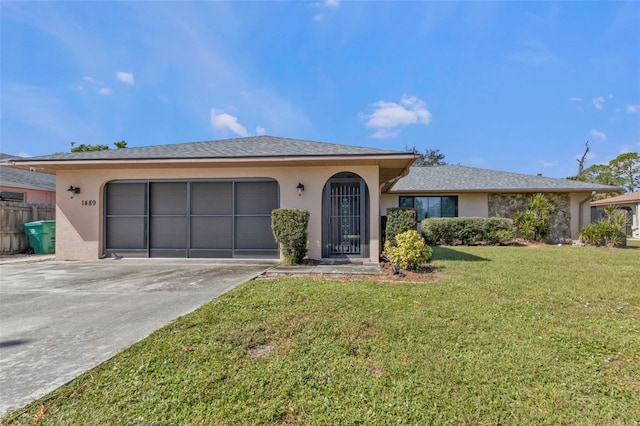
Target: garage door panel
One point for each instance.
(126, 233)
(210, 254)
(254, 233)
(126, 199)
(212, 198)
(168, 233)
(168, 253)
(211, 232)
(168, 198)
(256, 197)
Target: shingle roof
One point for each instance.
(25, 179)
(255, 146)
(634, 197)
(452, 178)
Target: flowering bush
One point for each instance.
(410, 251)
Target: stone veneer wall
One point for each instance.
(508, 204)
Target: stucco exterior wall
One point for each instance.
(80, 220)
(580, 212)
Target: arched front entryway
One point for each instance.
(345, 218)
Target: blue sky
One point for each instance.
(514, 86)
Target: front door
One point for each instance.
(345, 218)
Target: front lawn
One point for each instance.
(509, 335)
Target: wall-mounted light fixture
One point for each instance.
(300, 189)
(73, 190)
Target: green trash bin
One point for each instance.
(42, 236)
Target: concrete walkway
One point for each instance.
(338, 268)
(60, 319)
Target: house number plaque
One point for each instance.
(88, 202)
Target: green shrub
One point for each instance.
(468, 230)
(609, 231)
(399, 220)
(410, 251)
(534, 224)
(289, 228)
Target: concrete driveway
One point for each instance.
(60, 319)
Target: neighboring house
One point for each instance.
(26, 186)
(628, 202)
(214, 199)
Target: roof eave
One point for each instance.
(51, 166)
(500, 190)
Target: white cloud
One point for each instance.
(23, 154)
(598, 102)
(125, 77)
(610, 95)
(629, 148)
(220, 120)
(546, 164)
(106, 91)
(327, 4)
(598, 135)
(87, 78)
(575, 99)
(389, 117)
(633, 108)
(332, 4)
(260, 131)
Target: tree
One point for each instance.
(86, 148)
(601, 173)
(623, 171)
(581, 160)
(627, 168)
(431, 157)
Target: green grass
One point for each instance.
(546, 335)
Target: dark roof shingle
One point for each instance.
(452, 178)
(250, 147)
(25, 179)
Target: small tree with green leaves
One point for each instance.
(289, 228)
(534, 224)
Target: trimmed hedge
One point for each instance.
(399, 220)
(468, 230)
(289, 228)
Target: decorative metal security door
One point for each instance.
(346, 218)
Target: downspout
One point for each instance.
(580, 213)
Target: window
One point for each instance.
(432, 206)
(12, 196)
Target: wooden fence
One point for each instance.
(12, 216)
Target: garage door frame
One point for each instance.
(256, 229)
